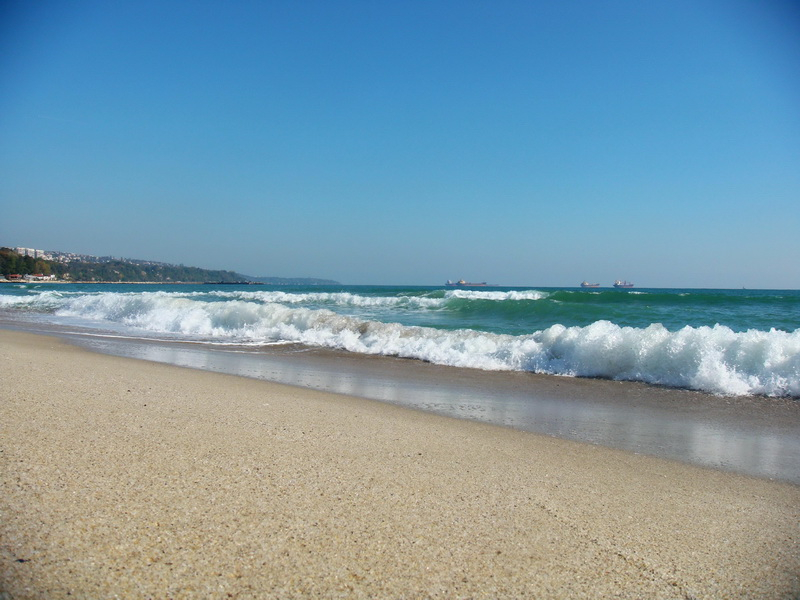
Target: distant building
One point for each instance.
(40, 277)
(32, 252)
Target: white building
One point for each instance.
(32, 252)
(28, 252)
(39, 277)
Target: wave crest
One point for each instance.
(497, 296)
(712, 359)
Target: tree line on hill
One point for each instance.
(115, 270)
(11, 263)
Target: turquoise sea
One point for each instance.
(728, 342)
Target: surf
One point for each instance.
(714, 359)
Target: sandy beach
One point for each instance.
(126, 478)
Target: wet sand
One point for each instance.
(127, 478)
(748, 434)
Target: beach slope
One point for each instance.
(124, 478)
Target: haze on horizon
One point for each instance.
(516, 142)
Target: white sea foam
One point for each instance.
(713, 359)
(42, 301)
(497, 296)
(333, 299)
(368, 301)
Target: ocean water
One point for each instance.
(728, 342)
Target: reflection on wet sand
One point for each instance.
(754, 437)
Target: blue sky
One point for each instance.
(522, 143)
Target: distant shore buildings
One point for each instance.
(33, 253)
(67, 257)
(26, 278)
(51, 255)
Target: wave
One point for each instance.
(48, 299)
(703, 298)
(497, 296)
(712, 359)
(333, 299)
(433, 300)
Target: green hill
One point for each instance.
(73, 267)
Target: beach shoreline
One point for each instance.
(752, 435)
(130, 478)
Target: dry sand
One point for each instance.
(123, 478)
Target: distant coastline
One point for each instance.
(29, 265)
(285, 281)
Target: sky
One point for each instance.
(531, 143)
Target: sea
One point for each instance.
(723, 342)
(708, 377)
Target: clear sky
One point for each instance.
(516, 142)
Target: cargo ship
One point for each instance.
(622, 284)
(462, 283)
(587, 284)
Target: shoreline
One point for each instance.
(132, 478)
(414, 285)
(82, 282)
(752, 435)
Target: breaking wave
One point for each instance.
(714, 359)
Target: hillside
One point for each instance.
(73, 267)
